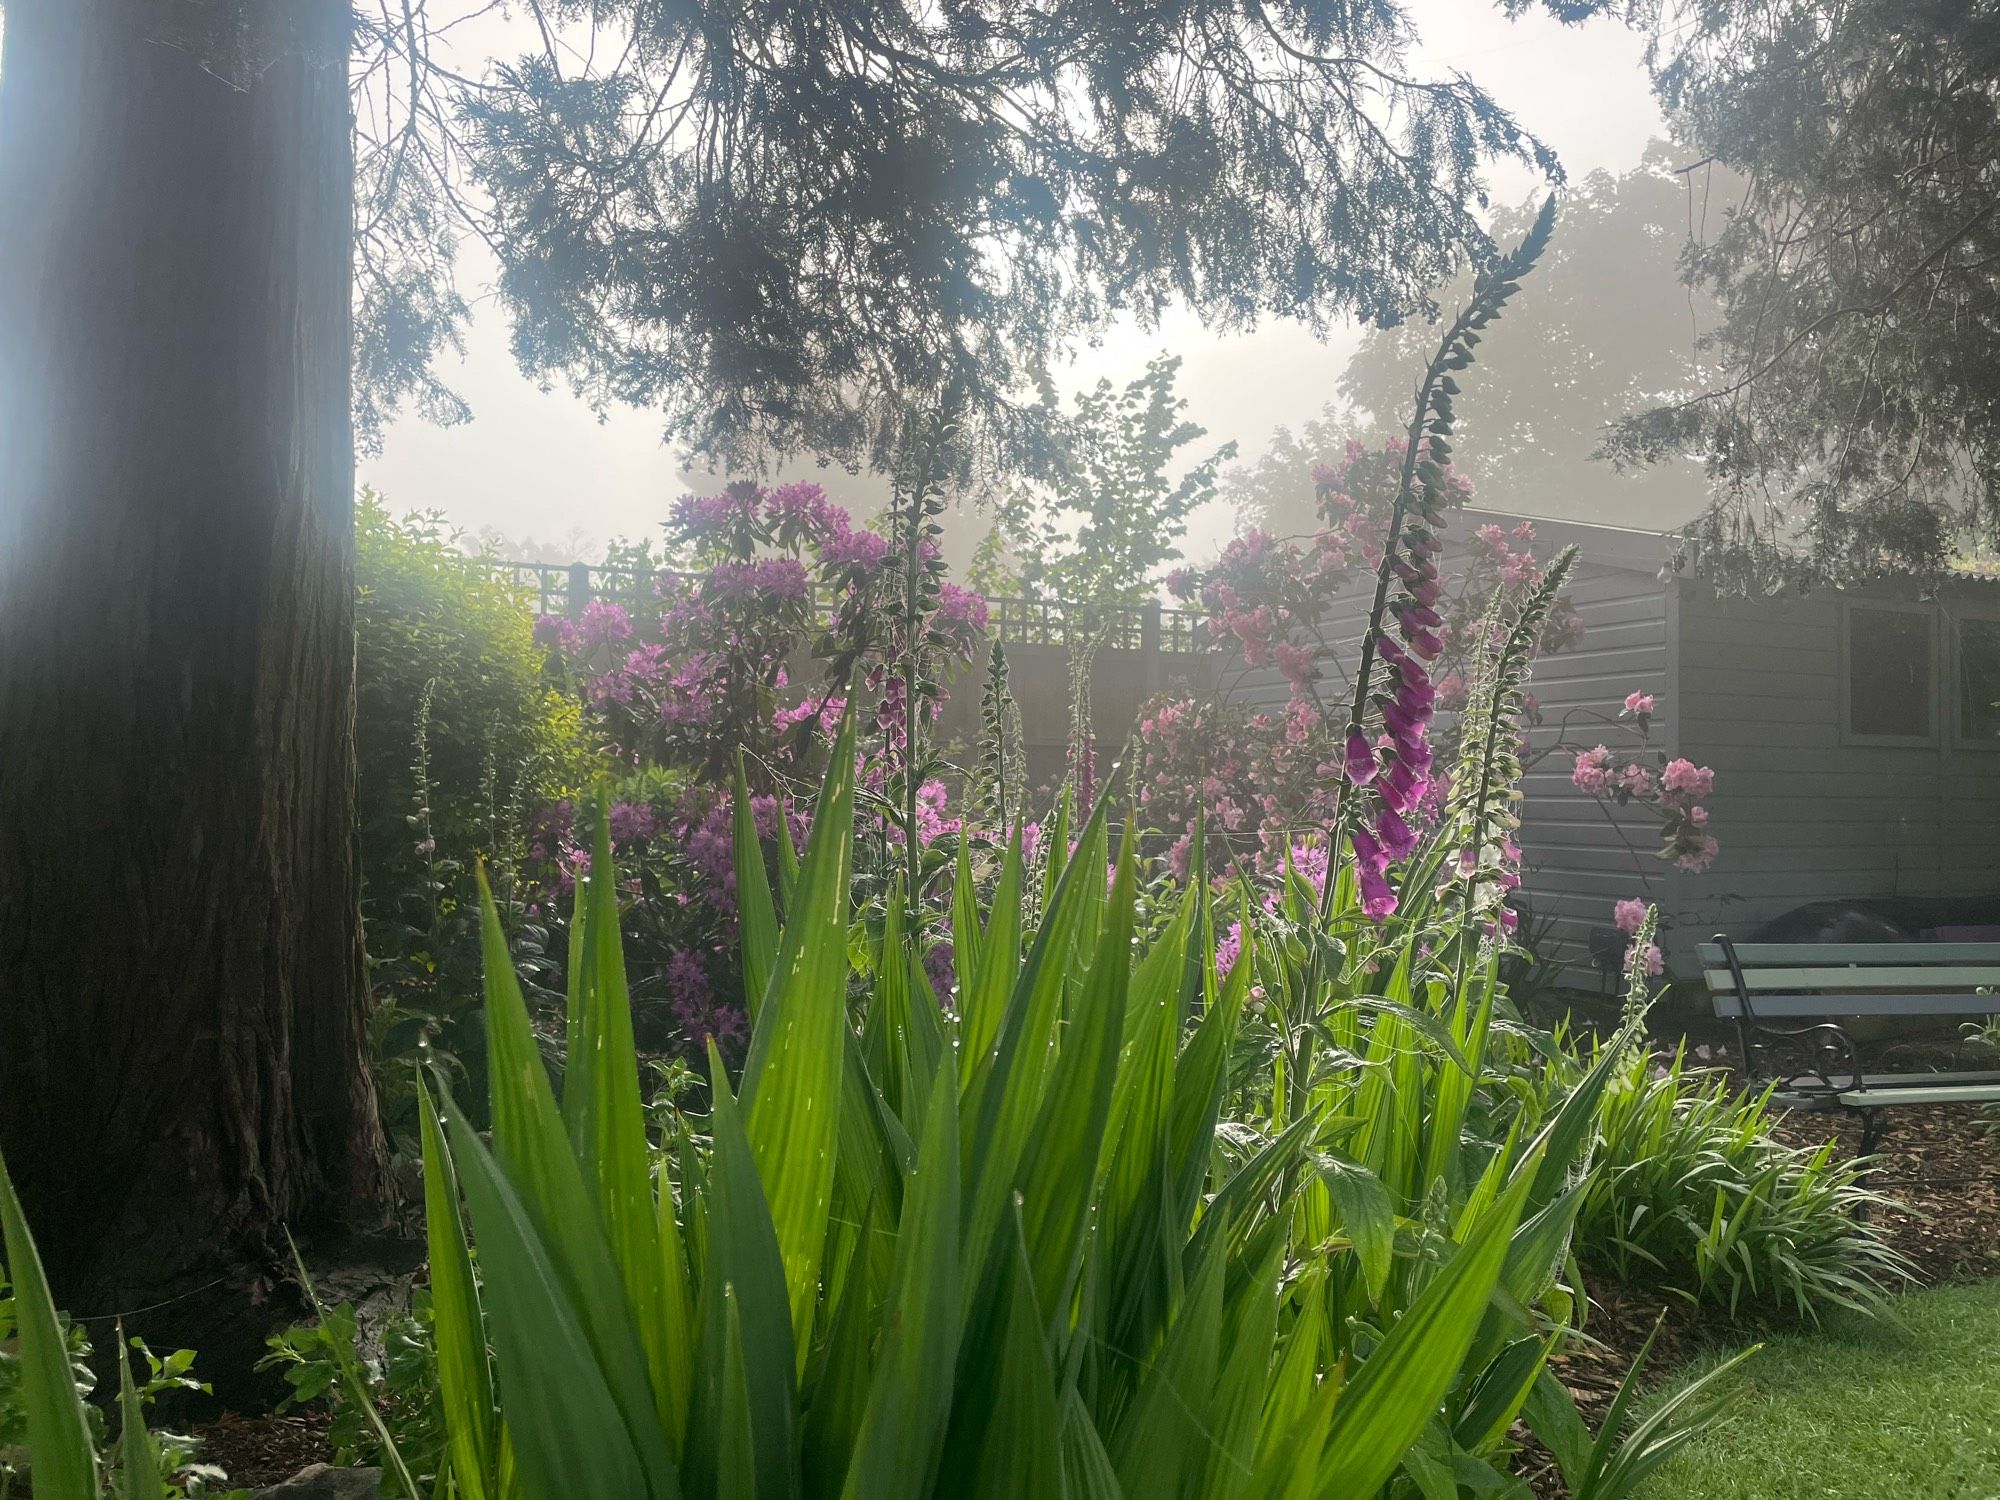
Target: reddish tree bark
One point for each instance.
(182, 990)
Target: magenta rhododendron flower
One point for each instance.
(631, 821)
(556, 633)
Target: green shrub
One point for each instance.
(461, 737)
(1695, 1195)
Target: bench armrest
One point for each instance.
(1830, 1051)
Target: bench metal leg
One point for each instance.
(1873, 1127)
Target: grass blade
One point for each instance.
(533, 1153)
(744, 1280)
(617, 1160)
(903, 1428)
(1061, 1165)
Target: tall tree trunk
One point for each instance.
(182, 991)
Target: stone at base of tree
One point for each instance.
(325, 1482)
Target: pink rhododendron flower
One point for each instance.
(1592, 774)
(1638, 703)
(1701, 856)
(1684, 779)
(1630, 915)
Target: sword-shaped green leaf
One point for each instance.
(756, 915)
(793, 1078)
(58, 1435)
(465, 1379)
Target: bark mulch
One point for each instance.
(266, 1450)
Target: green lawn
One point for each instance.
(1861, 1411)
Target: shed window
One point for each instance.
(1889, 687)
(1979, 679)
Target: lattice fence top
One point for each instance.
(560, 588)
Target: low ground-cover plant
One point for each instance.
(1696, 1195)
(52, 1439)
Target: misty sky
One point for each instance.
(541, 464)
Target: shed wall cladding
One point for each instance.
(1579, 855)
(1804, 810)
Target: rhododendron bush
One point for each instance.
(761, 605)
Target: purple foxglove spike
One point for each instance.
(1361, 767)
(1378, 901)
(1406, 725)
(1426, 645)
(1402, 786)
(1397, 839)
(1420, 615)
(1368, 855)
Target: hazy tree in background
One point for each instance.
(1855, 426)
(182, 1054)
(1110, 518)
(1609, 329)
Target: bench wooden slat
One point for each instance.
(1765, 954)
(1959, 1094)
(1756, 980)
(1775, 1007)
(1934, 1080)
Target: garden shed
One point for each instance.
(1854, 736)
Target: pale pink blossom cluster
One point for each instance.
(1670, 792)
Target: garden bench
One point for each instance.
(1800, 992)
